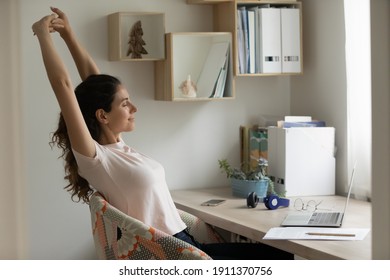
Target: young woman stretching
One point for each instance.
(92, 118)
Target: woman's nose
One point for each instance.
(133, 108)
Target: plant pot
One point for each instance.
(241, 188)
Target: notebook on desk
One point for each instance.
(319, 219)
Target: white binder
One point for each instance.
(301, 160)
(270, 40)
(291, 40)
(256, 56)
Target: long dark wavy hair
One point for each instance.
(95, 92)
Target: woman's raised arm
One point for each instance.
(84, 62)
(61, 84)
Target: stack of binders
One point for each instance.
(269, 39)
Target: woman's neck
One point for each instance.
(105, 139)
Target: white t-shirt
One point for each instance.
(133, 183)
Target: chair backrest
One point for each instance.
(203, 232)
(119, 236)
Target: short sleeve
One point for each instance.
(87, 163)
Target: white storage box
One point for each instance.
(301, 160)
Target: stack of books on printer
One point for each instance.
(300, 121)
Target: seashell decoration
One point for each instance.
(188, 88)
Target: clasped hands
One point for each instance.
(55, 22)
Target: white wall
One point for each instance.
(321, 91)
(187, 138)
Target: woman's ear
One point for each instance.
(101, 116)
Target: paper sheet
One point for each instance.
(314, 233)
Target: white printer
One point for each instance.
(301, 160)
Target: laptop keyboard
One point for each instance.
(324, 218)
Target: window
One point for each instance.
(358, 65)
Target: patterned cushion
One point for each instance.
(119, 236)
(203, 233)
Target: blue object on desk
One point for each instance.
(241, 188)
(272, 201)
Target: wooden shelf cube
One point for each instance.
(120, 25)
(196, 54)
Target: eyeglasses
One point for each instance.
(311, 205)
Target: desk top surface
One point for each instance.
(234, 216)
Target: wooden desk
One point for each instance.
(234, 216)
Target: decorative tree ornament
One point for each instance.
(136, 42)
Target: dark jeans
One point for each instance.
(237, 251)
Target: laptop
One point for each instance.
(318, 219)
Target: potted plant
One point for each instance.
(246, 180)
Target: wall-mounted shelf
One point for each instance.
(204, 56)
(198, 57)
(226, 20)
(238, 1)
(207, 1)
(121, 24)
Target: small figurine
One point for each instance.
(188, 88)
(136, 42)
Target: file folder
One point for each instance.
(240, 42)
(252, 40)
(214, 63)
(291, 40)
(301, 160)
(244, 36)
(270, 28)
